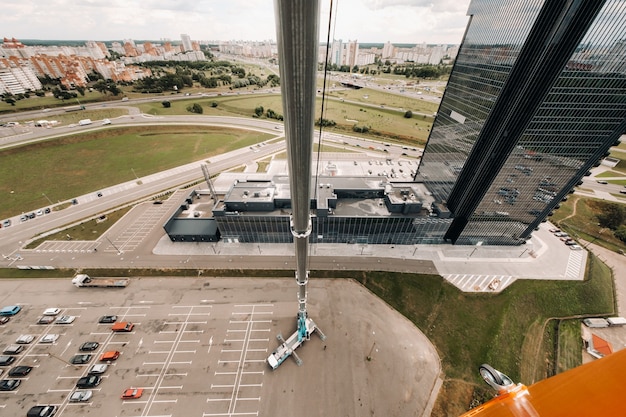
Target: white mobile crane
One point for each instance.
(297, 34)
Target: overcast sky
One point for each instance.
(397, 21)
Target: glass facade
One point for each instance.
(399, 230)
(580, 113)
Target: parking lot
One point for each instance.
(198, 348)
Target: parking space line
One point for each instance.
(164, 341)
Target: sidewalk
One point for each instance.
(470, 268)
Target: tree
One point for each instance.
(259, 111)
(612, 215)
(10, 100)
(195, 108)
(620, 233)
(408, 114)
(360, 129)
(214, 104)
(166, 104)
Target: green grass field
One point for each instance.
(385, 124)
(64, 168)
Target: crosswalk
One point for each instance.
(479, 283)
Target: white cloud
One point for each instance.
(399, 21)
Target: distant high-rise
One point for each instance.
(536, 98)
(187, 44)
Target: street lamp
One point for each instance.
(48, 198)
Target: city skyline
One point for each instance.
(368, 21)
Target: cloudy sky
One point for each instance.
(397, 21)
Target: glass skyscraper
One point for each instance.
(536, 98)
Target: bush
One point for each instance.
(360, 129)
(214, 104)
(195, 108)
(408, 114)
(325, 123)
(166, 104)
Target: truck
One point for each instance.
(84, 122)
(84, 280)
(306, 327)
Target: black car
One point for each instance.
(89, 381)
(21, 370)
(6, 360)
(42, 411)
(9, 384)
(107, 319)
(80, 359)
(89, 346)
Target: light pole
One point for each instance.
(135, 174)
(47, 198)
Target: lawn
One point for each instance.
(61, 169)
(505, 330)
(384, 123)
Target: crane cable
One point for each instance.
(319, 146)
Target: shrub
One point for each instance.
(195, 108)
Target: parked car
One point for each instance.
(42, 411)
(49, 338)
(89, 381)
(9, 384)
(107, 319)
(53, 311)
(110, 355)
(25, 339)
(13, 349)
(65, 320)
(45, 320)
(10, 310)
(98, 369)
(132, 393)
(89, 346)
(80, 396)
(6, 360)
(80, 359)
(21, 370)
(123, 326)
(4, 319)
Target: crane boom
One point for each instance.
(297, 26)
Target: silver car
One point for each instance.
(80, 396)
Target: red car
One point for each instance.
(111, 355)
(131, 393)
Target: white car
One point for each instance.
(25, 339)
(106, 122)
(98, 369)
(65, 320)
(52, 311)
(80, 396)
(49, 338)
